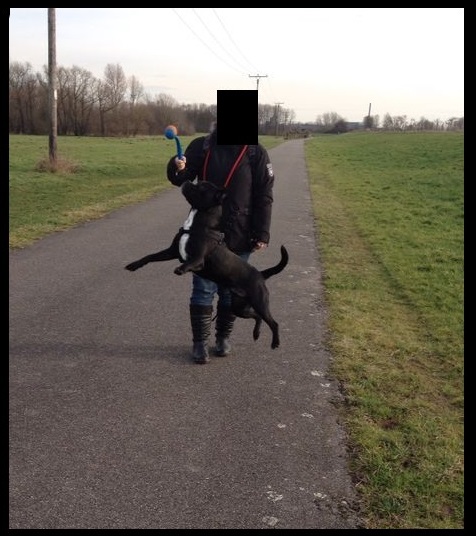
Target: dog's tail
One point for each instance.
(279, 267)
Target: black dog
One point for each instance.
(200, 247)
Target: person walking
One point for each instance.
(247, 174)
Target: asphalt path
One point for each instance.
(112, 426)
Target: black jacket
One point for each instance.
(247, 207)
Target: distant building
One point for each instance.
(354, 125)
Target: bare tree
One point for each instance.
(400, 122)
(387, 122)
(110, 92)
(165, 110)
(266, 118)
(331, 122)
(23, 95)
(84, 103)
(455, 123)
(77, 97)
(288, 117)
(136, 90)
(136, 113)
(199, 116)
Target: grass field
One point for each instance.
(389, 211)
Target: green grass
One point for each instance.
(95, 176)
(389, 211)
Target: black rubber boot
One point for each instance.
(201, 321)
(223, 329)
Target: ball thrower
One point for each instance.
(171, 134)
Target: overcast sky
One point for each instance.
(401, 61)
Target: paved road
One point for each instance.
(113, 427)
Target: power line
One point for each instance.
(232, 40)
(258, 76)
(203, 42)
(215, 39)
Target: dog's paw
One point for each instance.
(274, 345)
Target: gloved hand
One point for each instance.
(180, 163)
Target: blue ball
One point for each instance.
(170, 133)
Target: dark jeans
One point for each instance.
(204, 290)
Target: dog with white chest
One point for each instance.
(200, 247)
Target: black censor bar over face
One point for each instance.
(237, 117)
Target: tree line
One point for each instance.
(116, 105)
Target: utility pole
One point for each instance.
(52, 83)
(258, 76)
(276, 114)
(368, 125)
